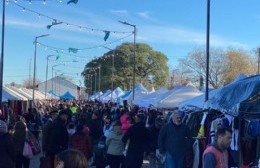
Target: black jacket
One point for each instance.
(59, 136)
(139, 138)
(7, 151)
(153, 136)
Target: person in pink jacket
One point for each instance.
(126, 121)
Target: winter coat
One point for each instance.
(139, 138)
(19, 136)
(174, 139)
(96, 130)
(59, 136)
(81, 141)
(114, 143)
(46, 135)
(153, 143)
(7, 151)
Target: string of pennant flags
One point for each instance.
(76, 50)
(56, 21)
(45, 1)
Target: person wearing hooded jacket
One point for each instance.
(115, 147)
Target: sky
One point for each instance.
(173, 27)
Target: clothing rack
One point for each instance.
(242, 115)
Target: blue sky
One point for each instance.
(174, 27)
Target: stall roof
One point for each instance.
(229, 97)
(15, 93)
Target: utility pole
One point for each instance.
(258, 64)
(207, 51)
(134, 63)
(2, 54)
(30, 63)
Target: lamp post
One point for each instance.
(2, 54)
(47, 73)
(34, 66)
(112, 71)
(134, 26)
(52, 75)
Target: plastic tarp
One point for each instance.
(177, 96)
(67, 96)
(151, 99)
(118, 92)
(229, 97)
(198, 101)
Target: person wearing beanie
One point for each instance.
(7, 150)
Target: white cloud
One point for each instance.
(119, 12)
(22, 23)
(178, 35)
(145, 14)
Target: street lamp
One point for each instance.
(52, 75)
(47, 73)
(134, 26)
(2, 54)
(113, 66)
(34, 67)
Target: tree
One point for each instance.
(238, 61)
(29, 83)
(151, 67)
(224, 65)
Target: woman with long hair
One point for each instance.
(71, 159)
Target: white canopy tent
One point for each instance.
(108, 92)
(140, 91)
(177, 96)
(96, 96)
(151, 99)
(8, 96)
(198, 101)
(15, 93)
(118, 92)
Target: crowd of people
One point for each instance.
(80, 134)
